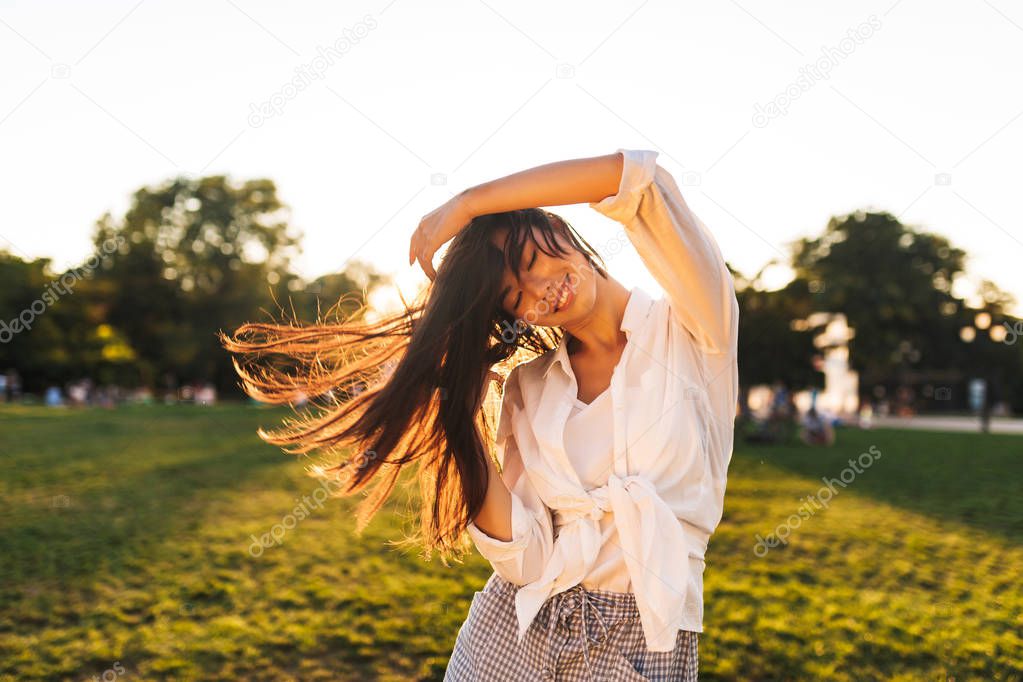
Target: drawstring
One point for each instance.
(564, 604)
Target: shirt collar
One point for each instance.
(636, 310)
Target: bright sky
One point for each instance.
(906, 106)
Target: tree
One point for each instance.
(313, 301)
(194, 257)
(894, 286)
(53, 327)
(772, 346)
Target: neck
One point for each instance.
(600, 331)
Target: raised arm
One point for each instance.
(678, 250)
(629, 187)
(573, 181)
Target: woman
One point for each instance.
(614, 434)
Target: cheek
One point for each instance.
(581, 276)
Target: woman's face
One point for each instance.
(547, 291)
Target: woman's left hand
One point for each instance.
(435, 229)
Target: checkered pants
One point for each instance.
(487, 650)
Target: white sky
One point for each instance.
(100, 98)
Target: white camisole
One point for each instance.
(589, 444)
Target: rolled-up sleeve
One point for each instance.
(521, 559)
(678, 250)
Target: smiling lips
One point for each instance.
(565, 296)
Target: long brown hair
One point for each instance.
(409, 385)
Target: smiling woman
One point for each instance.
(595, 574)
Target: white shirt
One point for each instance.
(673, 396)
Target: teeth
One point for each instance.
(563, 297)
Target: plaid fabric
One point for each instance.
(487, 649)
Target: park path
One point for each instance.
(939, 423)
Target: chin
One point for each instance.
(581, 307)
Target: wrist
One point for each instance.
(469, 203)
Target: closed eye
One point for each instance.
(518, 299)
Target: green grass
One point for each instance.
(126, 541)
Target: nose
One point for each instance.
(539, 286)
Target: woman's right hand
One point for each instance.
(435, 229)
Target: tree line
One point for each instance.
(194, 256)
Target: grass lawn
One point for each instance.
(127, 534)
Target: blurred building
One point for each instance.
(840, 397)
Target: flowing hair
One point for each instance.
(410, 386)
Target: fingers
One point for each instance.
(413, 247)
(419, 252)
(425, 261)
